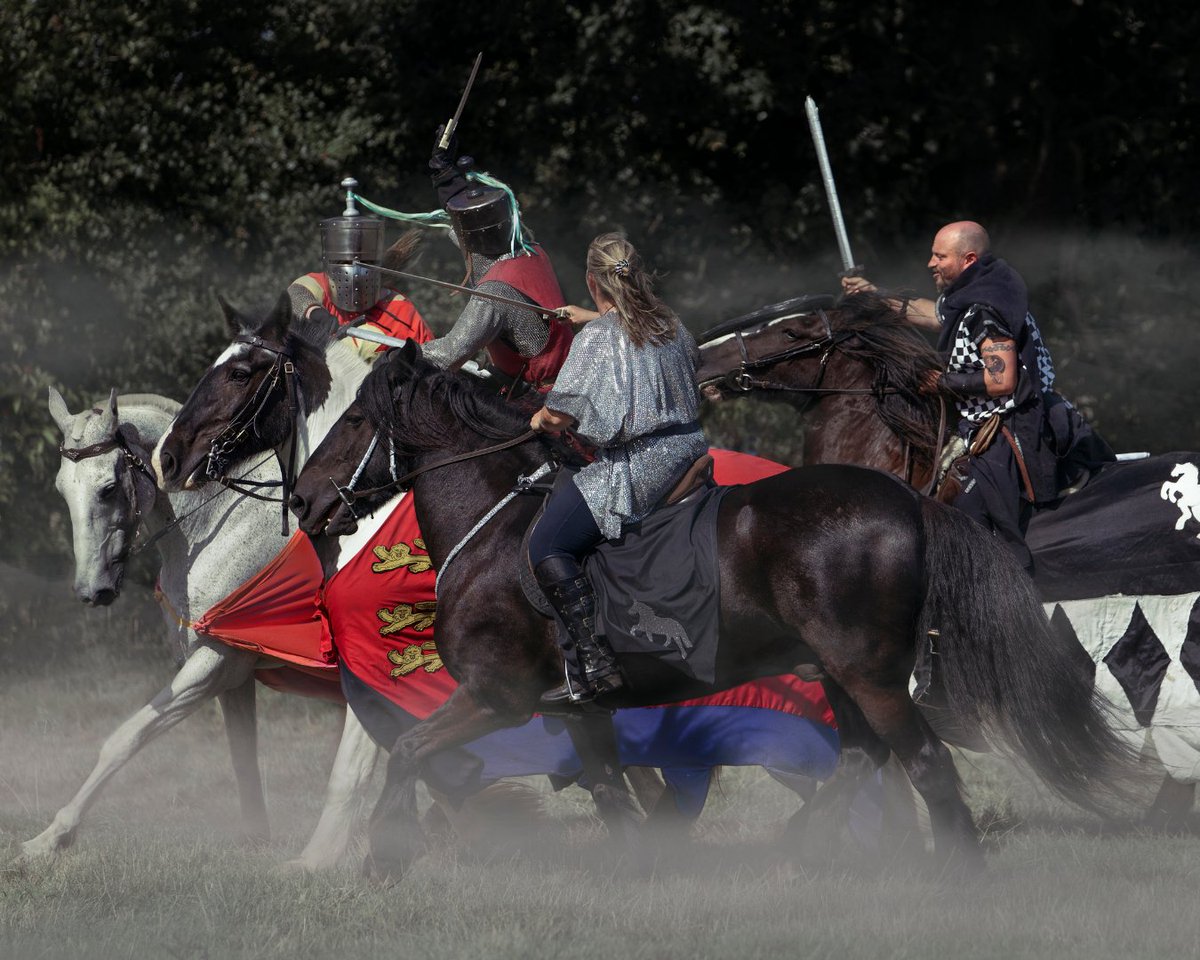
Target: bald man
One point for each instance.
(1000, 378)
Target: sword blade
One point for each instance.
(531, 307)
(835, 207)
(453, 124)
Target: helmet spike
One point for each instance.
(351, 185)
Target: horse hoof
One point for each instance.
(382, 872)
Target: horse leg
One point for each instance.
(595, 741)
(927, 761)
(210, 670)
(818, 826)
(238, 712)
(1171, 806)
(345, 798)
(393, 844)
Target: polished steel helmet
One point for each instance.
(482, 217)
(354, 236)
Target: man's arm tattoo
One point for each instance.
(994, 362)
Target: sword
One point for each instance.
(453, 124)
(547, 312)
(849, 268)
(378, 336)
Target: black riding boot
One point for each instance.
(591, 667)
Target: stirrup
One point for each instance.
(578, 690)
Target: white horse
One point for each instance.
(209, 545)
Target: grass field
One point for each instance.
(159, 869)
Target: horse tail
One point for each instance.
(1007, 671)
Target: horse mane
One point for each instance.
(884, 340)
(410, 398)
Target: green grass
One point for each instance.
(159, 869)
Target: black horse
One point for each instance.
(835, 566)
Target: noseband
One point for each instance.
(348, 495)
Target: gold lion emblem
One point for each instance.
(401, 555)
(412, 657)
(419, 616)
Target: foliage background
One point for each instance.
(152, 153)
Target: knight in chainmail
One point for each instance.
(501, 259)
(1026, 441)
(629, 388)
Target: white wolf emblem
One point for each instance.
(649, 624)
(1184, 493)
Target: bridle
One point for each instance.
(349, 496)
(245, 420)
(742, 379)
(133, 462)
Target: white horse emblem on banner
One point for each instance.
(1184, 492)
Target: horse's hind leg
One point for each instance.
(394, 844)
(238, 712)
(819, 824)
(210, 670)
(927, 761)
(341, 815)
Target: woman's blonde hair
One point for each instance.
(616, 269)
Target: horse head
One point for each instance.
(351, 470)
(108, 489)
(272, 372)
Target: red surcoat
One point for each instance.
(534, 277)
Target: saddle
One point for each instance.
(657, 586)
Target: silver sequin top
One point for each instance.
(638, 406)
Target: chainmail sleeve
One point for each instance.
(483, 322)
(478, 325)
(304, 293)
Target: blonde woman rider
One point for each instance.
(629, 388)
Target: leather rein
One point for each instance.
(742, 380)
(349, 496)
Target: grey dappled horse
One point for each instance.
(213, 548)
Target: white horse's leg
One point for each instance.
(209, 671)
(345, 799)
(238, 711)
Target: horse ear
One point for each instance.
(109, 417)
(58, 410)
(279, 320)
(233, 319)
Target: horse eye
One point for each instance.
(239, 374)
(791, 334)
(107, 491)
(355, 419)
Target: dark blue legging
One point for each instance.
(566, 529)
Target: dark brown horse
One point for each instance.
(852, 371)
(837, 566)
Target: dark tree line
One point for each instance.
(155, 152)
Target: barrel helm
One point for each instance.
(354, 236)
(482, 217)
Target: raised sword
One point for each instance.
(849, 268)
(452, 125)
